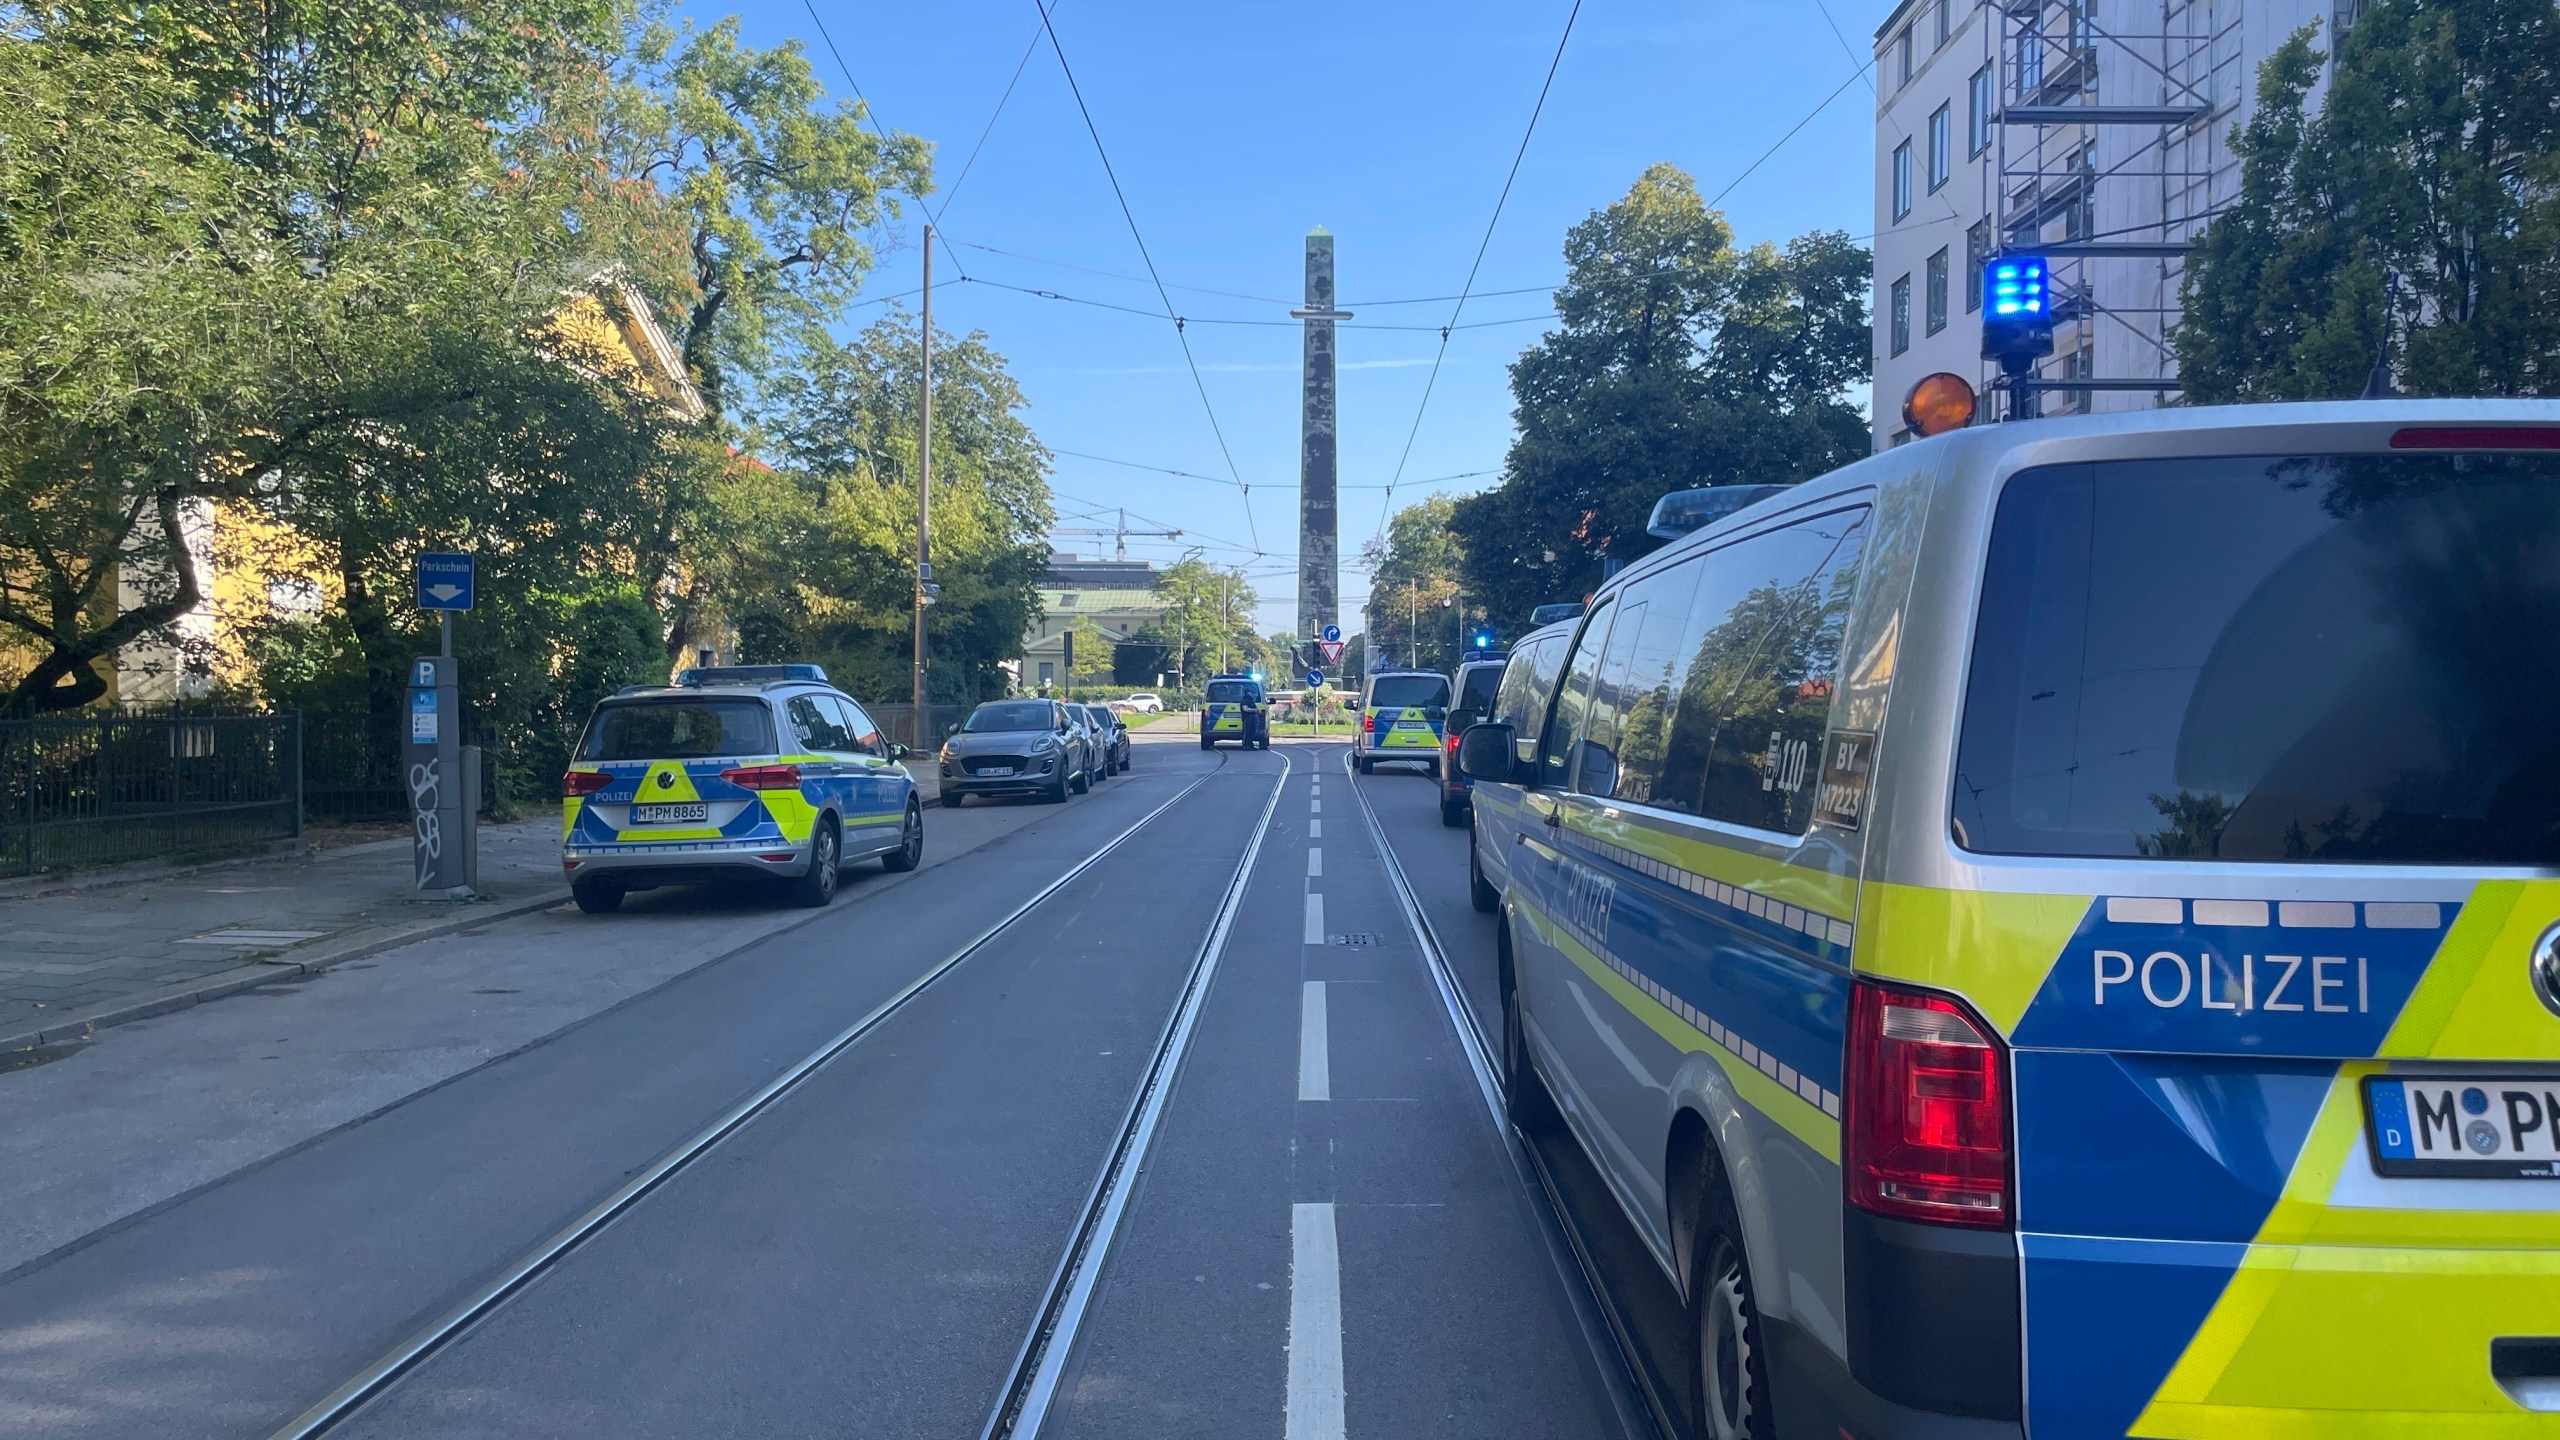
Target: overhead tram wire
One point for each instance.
(1792, 132)
(1432, 381)
(1179, 334)
(1214, 480)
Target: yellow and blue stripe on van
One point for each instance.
(2207, 1250)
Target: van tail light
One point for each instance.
(1453, 743)
(1927, 1110)
(764, 777)
(1368, 723)
(576, 783)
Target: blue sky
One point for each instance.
(1234, 128)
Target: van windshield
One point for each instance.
(1394, 692)
(678, 730)
(2305, 658)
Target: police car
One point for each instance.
(1401, 715)
(2055, 929)
(1234, 708)
(738, 769)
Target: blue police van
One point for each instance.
(2054, 929)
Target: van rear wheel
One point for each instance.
(1729, 1376)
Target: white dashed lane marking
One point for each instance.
(1315, 863)
(1315, 1325)
(1315, 1061)
(1315, 918)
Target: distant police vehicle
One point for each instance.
(2055, 929)
(1474, 686)
(1234, 708)
(738, 769)
(1401, 715)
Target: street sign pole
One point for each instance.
(441, 772)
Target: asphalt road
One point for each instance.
(1328, 1236)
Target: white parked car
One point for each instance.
(1147, 704)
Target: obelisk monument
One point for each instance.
(1319, 523)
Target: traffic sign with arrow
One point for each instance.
(445, 581)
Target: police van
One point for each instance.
(1520, 703)
(1402, 713)
(1233, 707)
(733, 770)
(2055, 929)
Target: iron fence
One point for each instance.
(97, 789)
(898, 722)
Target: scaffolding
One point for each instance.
(2113, 155)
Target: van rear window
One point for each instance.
(2343, 658)
(678, 730)
(1409, 691)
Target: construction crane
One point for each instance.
(1120, 534)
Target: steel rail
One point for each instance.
(1031, 1384)
(370, 1381)
(1604, 1332)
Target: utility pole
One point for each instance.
(1412, 628)
(924, 488)
(1226, 622)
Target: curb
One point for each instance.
(269, 972)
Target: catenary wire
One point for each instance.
(1056, 48)
(1432, 381)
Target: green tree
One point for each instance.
(816, 559)
(2435, 159)
(300, 257)
(1680, 361)
(1416, 568)
(1207, 620)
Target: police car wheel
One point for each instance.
(1453, 813)
(816, 887)
(597, 894)
(1208, 744)
(1730, 1376)
(910, 851)
(1516, 1076)
(1360, 763)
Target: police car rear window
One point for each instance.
(1233, 692)
(679, 730)
(2304, 658)
(1398, 691)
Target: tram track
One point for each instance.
(1604, 1330)
(1032, 1378)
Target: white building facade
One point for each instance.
(2093, 132)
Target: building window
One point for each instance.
(1946, 21)
(2031, 53)
(1977, 115)
(1901, 180)
(1901, 315)
(1941, 147)
(1937, 297)
(1902, 59)
(1977, 253)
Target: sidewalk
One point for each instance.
(134, 942)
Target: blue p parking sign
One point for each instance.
(445, 581)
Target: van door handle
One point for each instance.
(2527, 1367)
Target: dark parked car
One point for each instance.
(1019, 747)
(1112, 738)
(1476, 681)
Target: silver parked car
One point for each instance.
(1019, 747)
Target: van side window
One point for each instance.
(1527, 681)
(1763, 655)
(1573, 702)
(1639, 686)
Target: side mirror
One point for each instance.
(1485, 753)
(898, 751)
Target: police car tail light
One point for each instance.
(1368, 722)
(764, 777)
(583, 782)
(1927, 1117)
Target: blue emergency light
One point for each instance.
(1484, 639)
(2017, 312)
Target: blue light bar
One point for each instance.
(2015, 284)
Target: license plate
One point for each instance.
(673, 814)
(2465, 1126)
(997, 772)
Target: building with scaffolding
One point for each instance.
(2095, 133)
